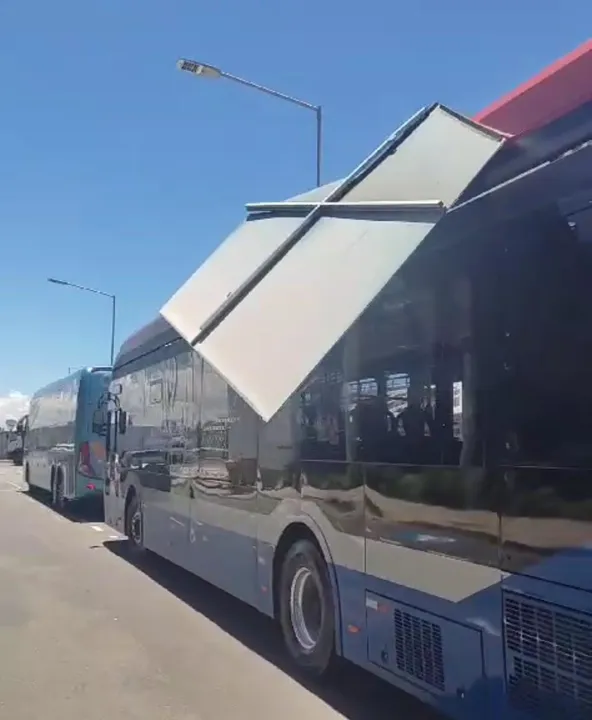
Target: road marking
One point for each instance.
(97, 528)
(56, 515)
(16, 486)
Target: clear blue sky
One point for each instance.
(119, 172)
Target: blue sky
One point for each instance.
(119, 172)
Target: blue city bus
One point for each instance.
(64, 444)
(369, 416)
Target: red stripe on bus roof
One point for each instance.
(557, 90)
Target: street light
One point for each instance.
(213, 73)
(95, 292)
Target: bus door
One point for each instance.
(91, 432)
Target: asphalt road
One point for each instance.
(86, 634)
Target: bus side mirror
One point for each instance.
(122, 422)
(109, 420)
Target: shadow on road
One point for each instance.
(79, 512)
(355, 694)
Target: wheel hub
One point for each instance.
(136, 527)
(306, 608)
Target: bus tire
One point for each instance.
(134, 526)
(57, 491)
(307, 609)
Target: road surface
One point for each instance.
(86, 634)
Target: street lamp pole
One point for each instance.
(112, 355)
(95, 292)
(210, 71)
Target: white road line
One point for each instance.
(56, 515)
(97, 528)
(15, 485)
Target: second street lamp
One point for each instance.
(214, 73)
(55, 281)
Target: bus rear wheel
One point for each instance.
(307, 611)
(57, 492)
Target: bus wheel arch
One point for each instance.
(298, 547)
(28, 475)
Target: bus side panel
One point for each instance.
(90, 437)
(394, 574)
(50, 438)
(547, 592)
(37, 472)
(426, 623)
(547, 640)
(327, 499)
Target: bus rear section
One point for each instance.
(16, 443)
(90, 434)
(64, 449)
(14, 448)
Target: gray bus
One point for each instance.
(16, 441)
(368, 415)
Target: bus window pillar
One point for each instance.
(351, 361)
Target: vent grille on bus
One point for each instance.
(549, 659)
(418, 648)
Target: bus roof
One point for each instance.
(554, 109)
(57, 384)
(557, 90)
(151, 336)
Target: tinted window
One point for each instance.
(414, 398)
(155, 391)
(322, 410)
(215, 419)
(541, 374)
(193, 367)
(53, 415)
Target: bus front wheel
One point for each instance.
(307, 612)
(134, 526)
